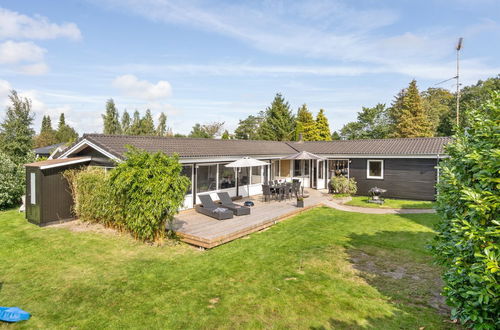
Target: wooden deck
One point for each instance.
(200, 230)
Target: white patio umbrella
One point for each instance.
(246, 162)
(303, 155)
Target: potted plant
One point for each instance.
(300, 201)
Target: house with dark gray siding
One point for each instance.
(407, 168)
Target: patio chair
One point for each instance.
(227, 202)
(266, 192)
(288, 190)
(209, 208)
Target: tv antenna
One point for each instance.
(457, 77)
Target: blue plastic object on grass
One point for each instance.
(13, 314)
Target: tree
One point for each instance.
(135, 127)
(12, 179)
(16, 133)
(125, 124)
(371, 123)
(161, 129)
(471, 97)
(324, 133)
(207, 131)
(111, 119)
(278, 123)
(437, 103)
(65, 133)
(467, 243)
(408, 114)
(47, 134)
(225, 135)
(306, 125)
(336, 136)
(248, 128)
(147, 124)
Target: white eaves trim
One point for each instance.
(84, 143)
(76, 161)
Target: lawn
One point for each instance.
(391, 203)
(321, 269)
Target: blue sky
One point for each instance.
(202, 61)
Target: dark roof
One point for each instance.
(408, 146)
(194, 148)
(47, 150)
(58, 162)
(189, 147)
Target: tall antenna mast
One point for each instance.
(459, 46)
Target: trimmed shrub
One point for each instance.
(140, 195)
(343, 185)
(149, 189)
(468, 240)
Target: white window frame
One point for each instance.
(368, 176)
(33, 188)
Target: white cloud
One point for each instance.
(15, 25)
(12, 52)
(131, 86)
(35, 69)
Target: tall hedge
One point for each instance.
(140, 195)
(468, 237)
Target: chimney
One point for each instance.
(300, 138)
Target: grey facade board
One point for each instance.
(405, 178)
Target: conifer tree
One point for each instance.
(408, 114)
(306, 125)
(111, 119)
(323, 127)
(226, 135)
(125, 124)
(65, 133)
(279, 122)
(161, 130)
(147, 124)
(47, 135)
(135, 127)
(16, 133)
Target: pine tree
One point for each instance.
(248, 128)
(279, 122)
(161, 130)
(135, 127)
(408, 114)
(47, 135)
(65, 133)
(125, 124)
(111, 119)
(147, 124)
(16, 133)
(323, 126)
(305, 125)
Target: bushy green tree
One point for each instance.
(323, 127)
(147, 124)
(468, 239)
(371, 123)
(12, 180)
(206, 131)
(65, 133)
(111, 119)
(16, 133)
(336, 136)
(226, 135)
(47, 134)
(306, 125)
(125, 123)
(437, 103)
(248, 128)
(135, 127)
(161, 129)
(278, 123)
(408, 114)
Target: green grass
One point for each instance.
(321, 269)
(391, 203)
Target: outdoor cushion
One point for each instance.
(227, 202)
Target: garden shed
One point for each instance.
(48, 196)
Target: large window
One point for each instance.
(297, 168)
(243, 176)
(227, 178)
(207, 178)
(375, 169)
(256, 177)
(338, 167)
(187, 170)
(275, 169)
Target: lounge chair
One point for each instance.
(211, 209)
(227, 202)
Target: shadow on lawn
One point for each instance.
(399, 267)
